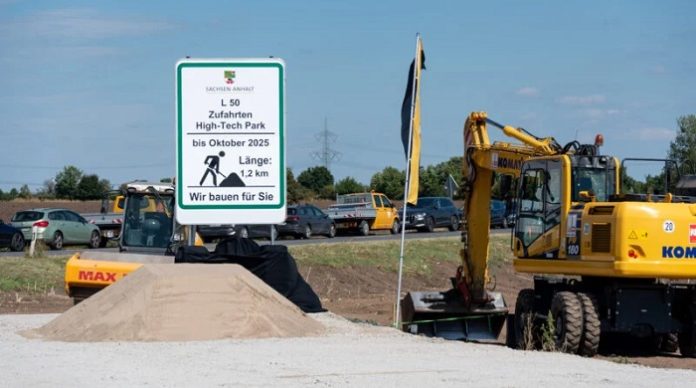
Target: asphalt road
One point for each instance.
(379, 236)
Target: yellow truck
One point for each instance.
(363, 212)
(149, 234)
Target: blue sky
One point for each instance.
(91, 83)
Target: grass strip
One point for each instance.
(39, 275)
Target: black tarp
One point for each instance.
(271, 263)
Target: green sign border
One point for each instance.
(281, 134)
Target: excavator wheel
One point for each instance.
(687, 336)
(566, 310)
(667, 343)
(525, 330)
(589, 341)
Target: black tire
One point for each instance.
(525, 336)
(591, 326)
(567, 315)
(243, 232)
(57, 243)
(687, 336)
(396, 227)
(364, 228)
(94, 240)
(307, 232)
(332, 231)
(666, 343)
(454, 224)
(17, 242)
(429, 225)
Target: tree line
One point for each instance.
(318, 182)
(70, 183)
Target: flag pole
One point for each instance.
(407, 183)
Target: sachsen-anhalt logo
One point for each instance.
(229, 76)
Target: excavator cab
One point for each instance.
(149, 224)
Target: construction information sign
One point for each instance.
(230, 123)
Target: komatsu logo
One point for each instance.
(679, 252)
(503, 162)
(509, 163)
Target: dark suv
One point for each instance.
(432, 212)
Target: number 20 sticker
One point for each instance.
(668, 226)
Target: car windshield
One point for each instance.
(422, 203)
(292, 211)
(27, 216)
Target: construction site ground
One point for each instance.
(368, 297)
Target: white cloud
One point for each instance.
(81, 24)
(593, 99)
(527, 91)
(595, 113)
(656, 134)
(658, 69)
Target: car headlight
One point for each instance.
(419, 216)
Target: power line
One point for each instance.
(326, 155)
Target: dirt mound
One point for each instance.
(165, 302)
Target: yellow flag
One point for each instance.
(410, 122)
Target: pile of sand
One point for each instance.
(181, 302)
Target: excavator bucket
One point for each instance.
(443, 314)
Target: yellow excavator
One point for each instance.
(604, 262)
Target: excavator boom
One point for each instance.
(468, 311)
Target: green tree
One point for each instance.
(90, 187)
(48, 190)
(327, 192)
(683, 147)
(166, 180)
(296, 192)
(12, 194)
(389, 181)
(349, 185)
(433, 179)
(24, 192)
(67, 182)
(316, 178)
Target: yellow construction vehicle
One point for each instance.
(149, 234)
(605, 262)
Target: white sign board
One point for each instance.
(230, 141)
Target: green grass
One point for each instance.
(419, 255)
(42, 274)
(39, 275)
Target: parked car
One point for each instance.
(432, 212)
(57, 227)
(11, 237)
(498, 214)
(304, 221)
(212, 232)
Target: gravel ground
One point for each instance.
(347, 355)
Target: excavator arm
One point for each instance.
(468, 311)
(482, 159)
